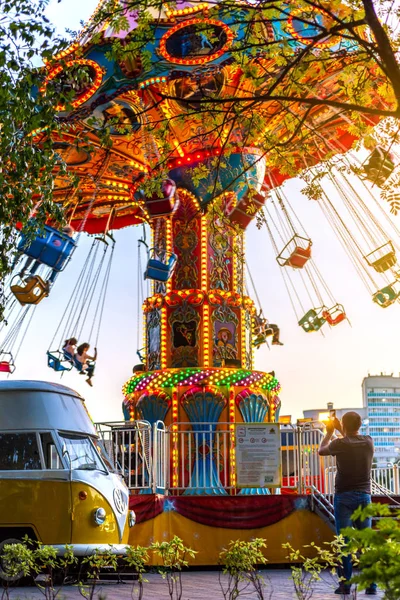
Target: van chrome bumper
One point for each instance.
(89, 549)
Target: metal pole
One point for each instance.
(299, 461)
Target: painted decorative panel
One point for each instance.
(186, 241)
(220, 260)
(184, 324)
(225, 323)
(160, 243)
(153, 325)
(247, 359)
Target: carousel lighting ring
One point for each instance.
(183, 12)
(86, 95)
(186, 377)
(202, 59)
(309, 40)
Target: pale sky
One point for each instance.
(312, 369)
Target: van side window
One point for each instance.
(19, 452)
(51, 457)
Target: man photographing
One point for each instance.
(354, 453)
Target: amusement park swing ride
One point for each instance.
(200, 325)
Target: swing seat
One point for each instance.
(6, 363)
(383, 258)
(51, 247)
(296, 253)
(259, 340)
(166, 204)
(260, 326)
(311, 321)
(386, 296)
(161, 270)
(335, 315)
(244, 210)
(56, 360)
(32, 291)
(378, 166)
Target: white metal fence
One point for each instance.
(198, 459)
(138, 452)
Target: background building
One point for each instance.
(322, 414)
(381, 401)
(380, 413)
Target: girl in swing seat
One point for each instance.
(81, 360)
(69, 348)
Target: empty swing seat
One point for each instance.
(296, 253)
(378, 166)
(245, 209)
(311, 321)
(335, 315)
(164, 203)
(31, 291)
(50, 247)
(387, 295)
(160, 270)
(383, 258)
(58, 362)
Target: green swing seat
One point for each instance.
(311, 321)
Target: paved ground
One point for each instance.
(198, 585)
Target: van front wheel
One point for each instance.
(18, 571)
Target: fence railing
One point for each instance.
(198, 459)
(138, 452)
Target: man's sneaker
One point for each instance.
(371, 590)
(343, 590)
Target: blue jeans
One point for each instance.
(345, 504)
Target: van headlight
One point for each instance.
(99, 516)
(131, 518)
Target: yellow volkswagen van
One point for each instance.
(56, 482)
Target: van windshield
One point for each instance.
(82, 453)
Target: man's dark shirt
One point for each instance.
(353, 461)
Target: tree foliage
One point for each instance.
(27, 169)
(285, 93)
(330, 62)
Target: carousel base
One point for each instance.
(208, 524)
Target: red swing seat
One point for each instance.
(296, 253)
(165, 203)
(243, 211)
(6, 363)
(335, 315)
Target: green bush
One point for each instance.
(240, 561)
(378, 548)
(137, 558)
(173, 555)
(307, 572)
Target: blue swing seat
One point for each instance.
(160, 270)
(50, 247)
(58, 361)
